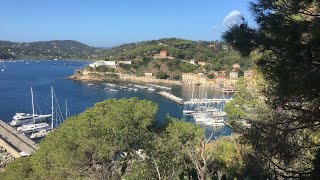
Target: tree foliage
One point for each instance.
(120, 139)
(287, 42)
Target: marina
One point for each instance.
(80, 94)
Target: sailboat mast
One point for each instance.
(66, 109)
(52, 108)
(32, 105)
(192, 91)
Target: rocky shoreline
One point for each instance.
(84, 75)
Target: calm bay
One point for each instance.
(20, 75)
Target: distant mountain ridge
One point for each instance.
(55, 49)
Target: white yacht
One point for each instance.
(201, 110)
(23, 119)
(28, 128)
(208, 120)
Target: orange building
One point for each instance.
(163, 53)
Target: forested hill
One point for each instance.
(183, 56)
(218, 54)
(58, 49)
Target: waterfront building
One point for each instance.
(233, 77)
(223, 81)
(210, 83)
(191, 78)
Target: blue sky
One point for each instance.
(106, 23)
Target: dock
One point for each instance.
(193, 101)
(15, 141)
(203, 101)
(171, 97)
(161, 87)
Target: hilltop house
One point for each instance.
(163, 55)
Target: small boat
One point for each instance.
(151, 89)
(188, 112)
(211, 121)
(23, 118)
(113, 90)
(40, 134)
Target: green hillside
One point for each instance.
(217, 56)
(64, 49)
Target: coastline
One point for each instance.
(84, 75)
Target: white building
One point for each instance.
(103, 63)
(123, 62)
(148, 74)
(233, 75)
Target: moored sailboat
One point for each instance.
(33, 127)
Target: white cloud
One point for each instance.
(235, 17)
(214, 27)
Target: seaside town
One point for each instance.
(221, 80)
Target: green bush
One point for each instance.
(162, 75)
